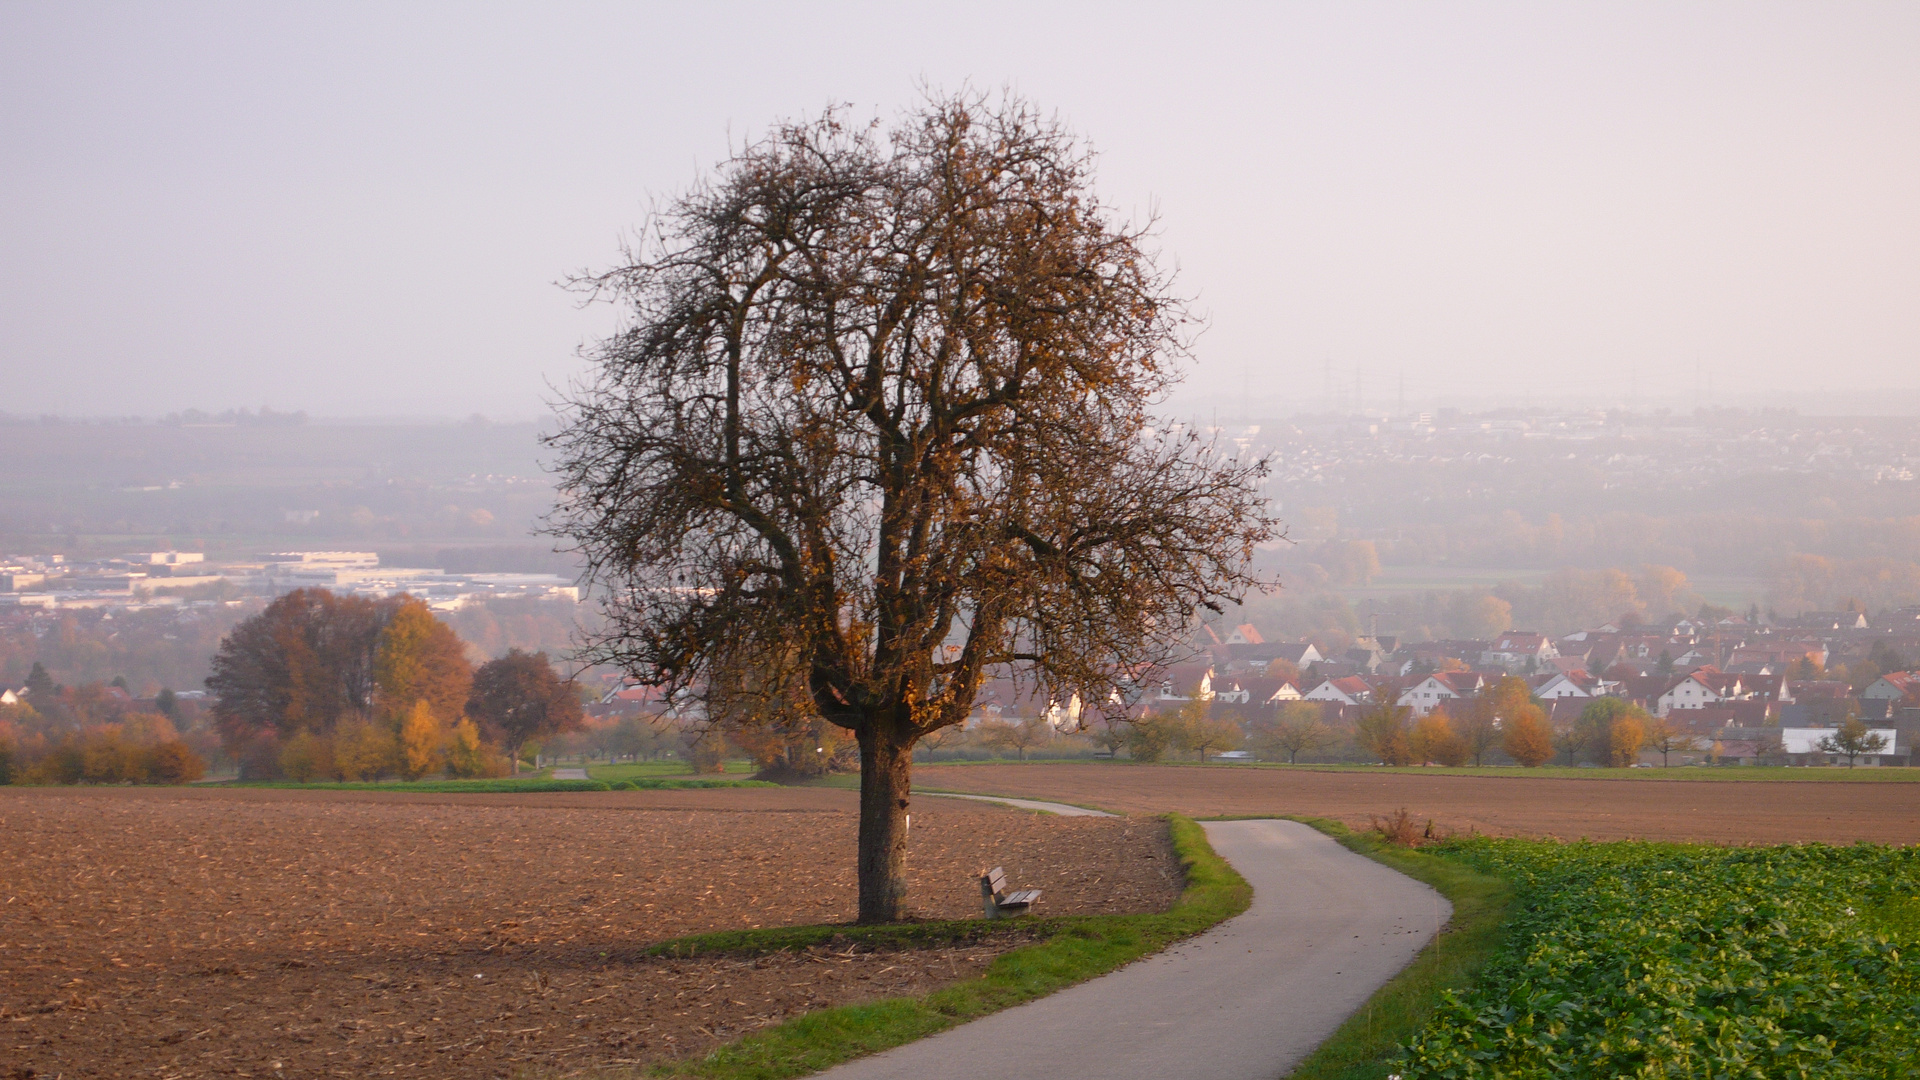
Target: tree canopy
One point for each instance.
(519, 697)
(300, 665)
(314, 661)
(878, 428)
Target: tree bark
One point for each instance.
(886, 780)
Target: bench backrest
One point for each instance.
(993, 882)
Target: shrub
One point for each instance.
(1434, 740)
(106, 757)
(63, 764)
(1399, 828)
(174, 762)
(1382, 732)
(1527, 738)
(469, 757)
(305, 757)
(707, 752)
(1151, 735)
(1624, 741)
(420, 742)
(363, 751)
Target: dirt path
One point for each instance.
(1060, 809)
(1246, 1001)
(1724, 812)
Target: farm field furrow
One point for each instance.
(1720, 812)
(365, 934)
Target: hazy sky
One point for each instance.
(361, 209)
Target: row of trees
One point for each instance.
(326, 686)
(145, 649)
(88, 734)
(1609, 731)
(1504, 721)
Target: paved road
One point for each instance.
(570, 774)
(1247, 1000)
(1059, 808)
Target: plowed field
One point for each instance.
(1719, 811)
(284, 933)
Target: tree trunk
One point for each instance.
(886, 779)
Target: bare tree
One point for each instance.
(1297, 730)
(1200, 732)
(1019, 736)
(941, 738)
(878, 427)
(1481, 723)
(1575, 739)
(1110, 733)
(1853, 740)
(1665, 736)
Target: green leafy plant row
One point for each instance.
(1667, 960)
(1073, 950)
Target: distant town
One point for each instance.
(161, 579)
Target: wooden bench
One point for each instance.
(998, 901)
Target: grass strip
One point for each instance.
(508, 786)
(1077, 948)
(1365, 1047)
(909, 935)
(677, 783)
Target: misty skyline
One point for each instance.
(362, 210)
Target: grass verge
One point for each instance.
(1074, 949)
(653, 770)
(1365, 1046)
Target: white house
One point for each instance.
(1299, 654)
(1351, 690)
(1065, 717)
(1512, 649)
(1562, 684)
(1700, 689)
(1799, 740)
(1893, 686)
(1235, 694)
(1202, 691)
(1244, 634)
(1287, 692)
(1436, 690)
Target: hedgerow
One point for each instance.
(1667, 961)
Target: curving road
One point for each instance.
(1248, 1000)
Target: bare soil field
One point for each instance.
(171, 933)
(1720, 812)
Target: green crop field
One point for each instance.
(655, 770)
(1669, 960)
